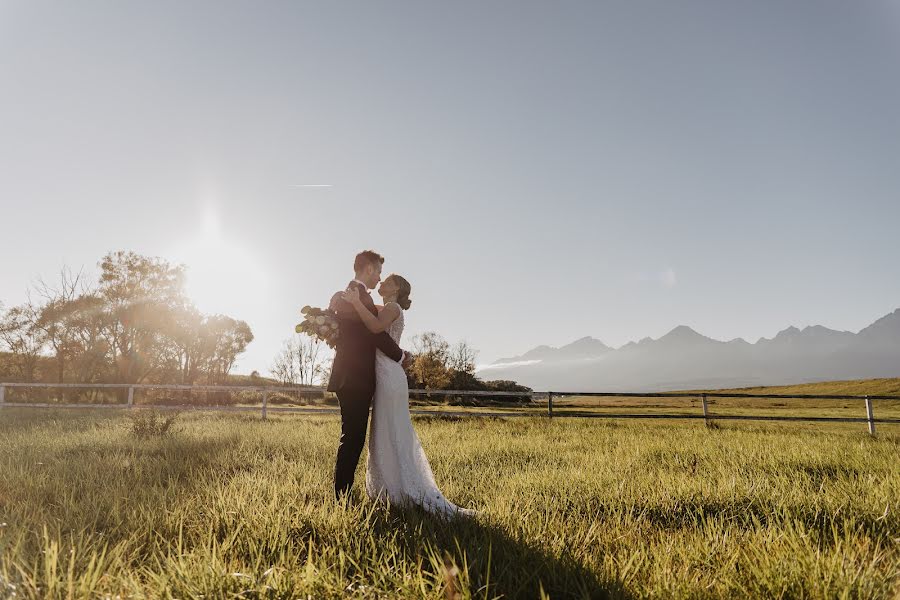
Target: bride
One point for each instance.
(397, 469)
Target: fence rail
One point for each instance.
(532, 398)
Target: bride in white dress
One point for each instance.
(397, 469)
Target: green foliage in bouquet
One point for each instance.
(319, 323)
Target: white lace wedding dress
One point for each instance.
(397, 468)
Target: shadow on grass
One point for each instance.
(749, 514)
(495, 563)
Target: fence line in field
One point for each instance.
(708, 417)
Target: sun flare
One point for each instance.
(222, 275)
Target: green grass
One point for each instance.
(229, 506)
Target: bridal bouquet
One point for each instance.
(319, 323)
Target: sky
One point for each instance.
(539, 171)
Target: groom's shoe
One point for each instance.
(342, 498)
(347, 499)
(341, 493)
(342, 483)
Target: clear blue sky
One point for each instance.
(538, 171)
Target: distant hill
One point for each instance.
(686, 359)
(586, 347)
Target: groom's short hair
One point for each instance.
(366, 258)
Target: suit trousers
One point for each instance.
(354, 423)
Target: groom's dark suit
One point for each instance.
(353, 379)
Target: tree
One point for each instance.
(461, 357)
(136, 325)
(232, 337)
(189, 345)
(141, 295)
(89, 348)
(57, 319)
(505, 385)
(430, 367)
(302, 361)
(463, 380)
(24, 340)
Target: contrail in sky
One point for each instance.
(305, 185)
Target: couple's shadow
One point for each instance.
(474, 554)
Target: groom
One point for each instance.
(353, 371)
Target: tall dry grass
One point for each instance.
(229, 506)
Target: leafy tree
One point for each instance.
(89, 349)
(141, 294)
(463, 380)
(432, 357)
(191, 345)
(232, 337)
(23, 339)
(136, 325)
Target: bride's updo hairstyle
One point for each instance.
(403, 292)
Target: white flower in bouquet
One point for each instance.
(319, 323)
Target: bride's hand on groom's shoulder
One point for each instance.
(334, 303)
(339, 306)
(351, 296)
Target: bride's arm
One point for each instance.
(385, 317)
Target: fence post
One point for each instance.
(870, 416)
(550, 404)
(2, 395)
(705, 409)
(265, 403)
(131, 396)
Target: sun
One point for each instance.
(222, 274)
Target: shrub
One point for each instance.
(150, 423)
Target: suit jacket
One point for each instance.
(354, 359)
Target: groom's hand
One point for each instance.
(408, 360)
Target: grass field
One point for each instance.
(229, 506)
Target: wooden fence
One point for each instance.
(708, 417)
(533, 398)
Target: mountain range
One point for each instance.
(685, 359)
